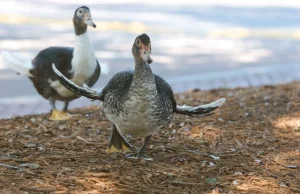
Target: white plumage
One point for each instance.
(84, 60)
(83, 65)
(17, 62)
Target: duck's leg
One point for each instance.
(142, 152)
(65, 107)
(57, 115)
(64, 113)
(117, 142)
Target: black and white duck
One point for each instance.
(78, 64)
(138, 102)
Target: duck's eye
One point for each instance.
(138, 42)
(80, 11)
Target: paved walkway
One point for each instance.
(35, 104)
(203, 44)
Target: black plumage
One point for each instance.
(42, 71)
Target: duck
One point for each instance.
(77, 63)
(137, 102)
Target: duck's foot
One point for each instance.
(57, 115)
(138, 155)
(117, 143)
(124, 149)
(142, 152)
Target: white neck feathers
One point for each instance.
(84, 60)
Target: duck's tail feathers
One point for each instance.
(104, 68)
(85, 90)
(202, 110)
(17, 62)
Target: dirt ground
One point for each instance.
(254, 139)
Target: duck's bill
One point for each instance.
(148, 60)
(146, 57)
(88, 21)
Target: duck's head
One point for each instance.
(82, 18)
(141, 48)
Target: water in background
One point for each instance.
(195, 44)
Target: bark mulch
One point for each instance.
(251, 145)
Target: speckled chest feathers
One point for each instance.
(140, 110)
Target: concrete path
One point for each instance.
(204, 45)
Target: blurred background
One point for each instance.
(195, 44)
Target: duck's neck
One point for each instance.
(143, 73)
(84, 60)
(79, 29)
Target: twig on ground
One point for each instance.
(9, 166)
(204, 154)
(183, 183)
(82, 139)
(15, 168)
(286, 165)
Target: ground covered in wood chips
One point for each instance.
(251, 145)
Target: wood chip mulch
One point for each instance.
(251, 145)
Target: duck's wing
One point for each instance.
(85, 91)
(119, 84)
(17, 62)
(60, 56)
(202, 110)
(41, 64)
(166, 93)
(95, 76)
